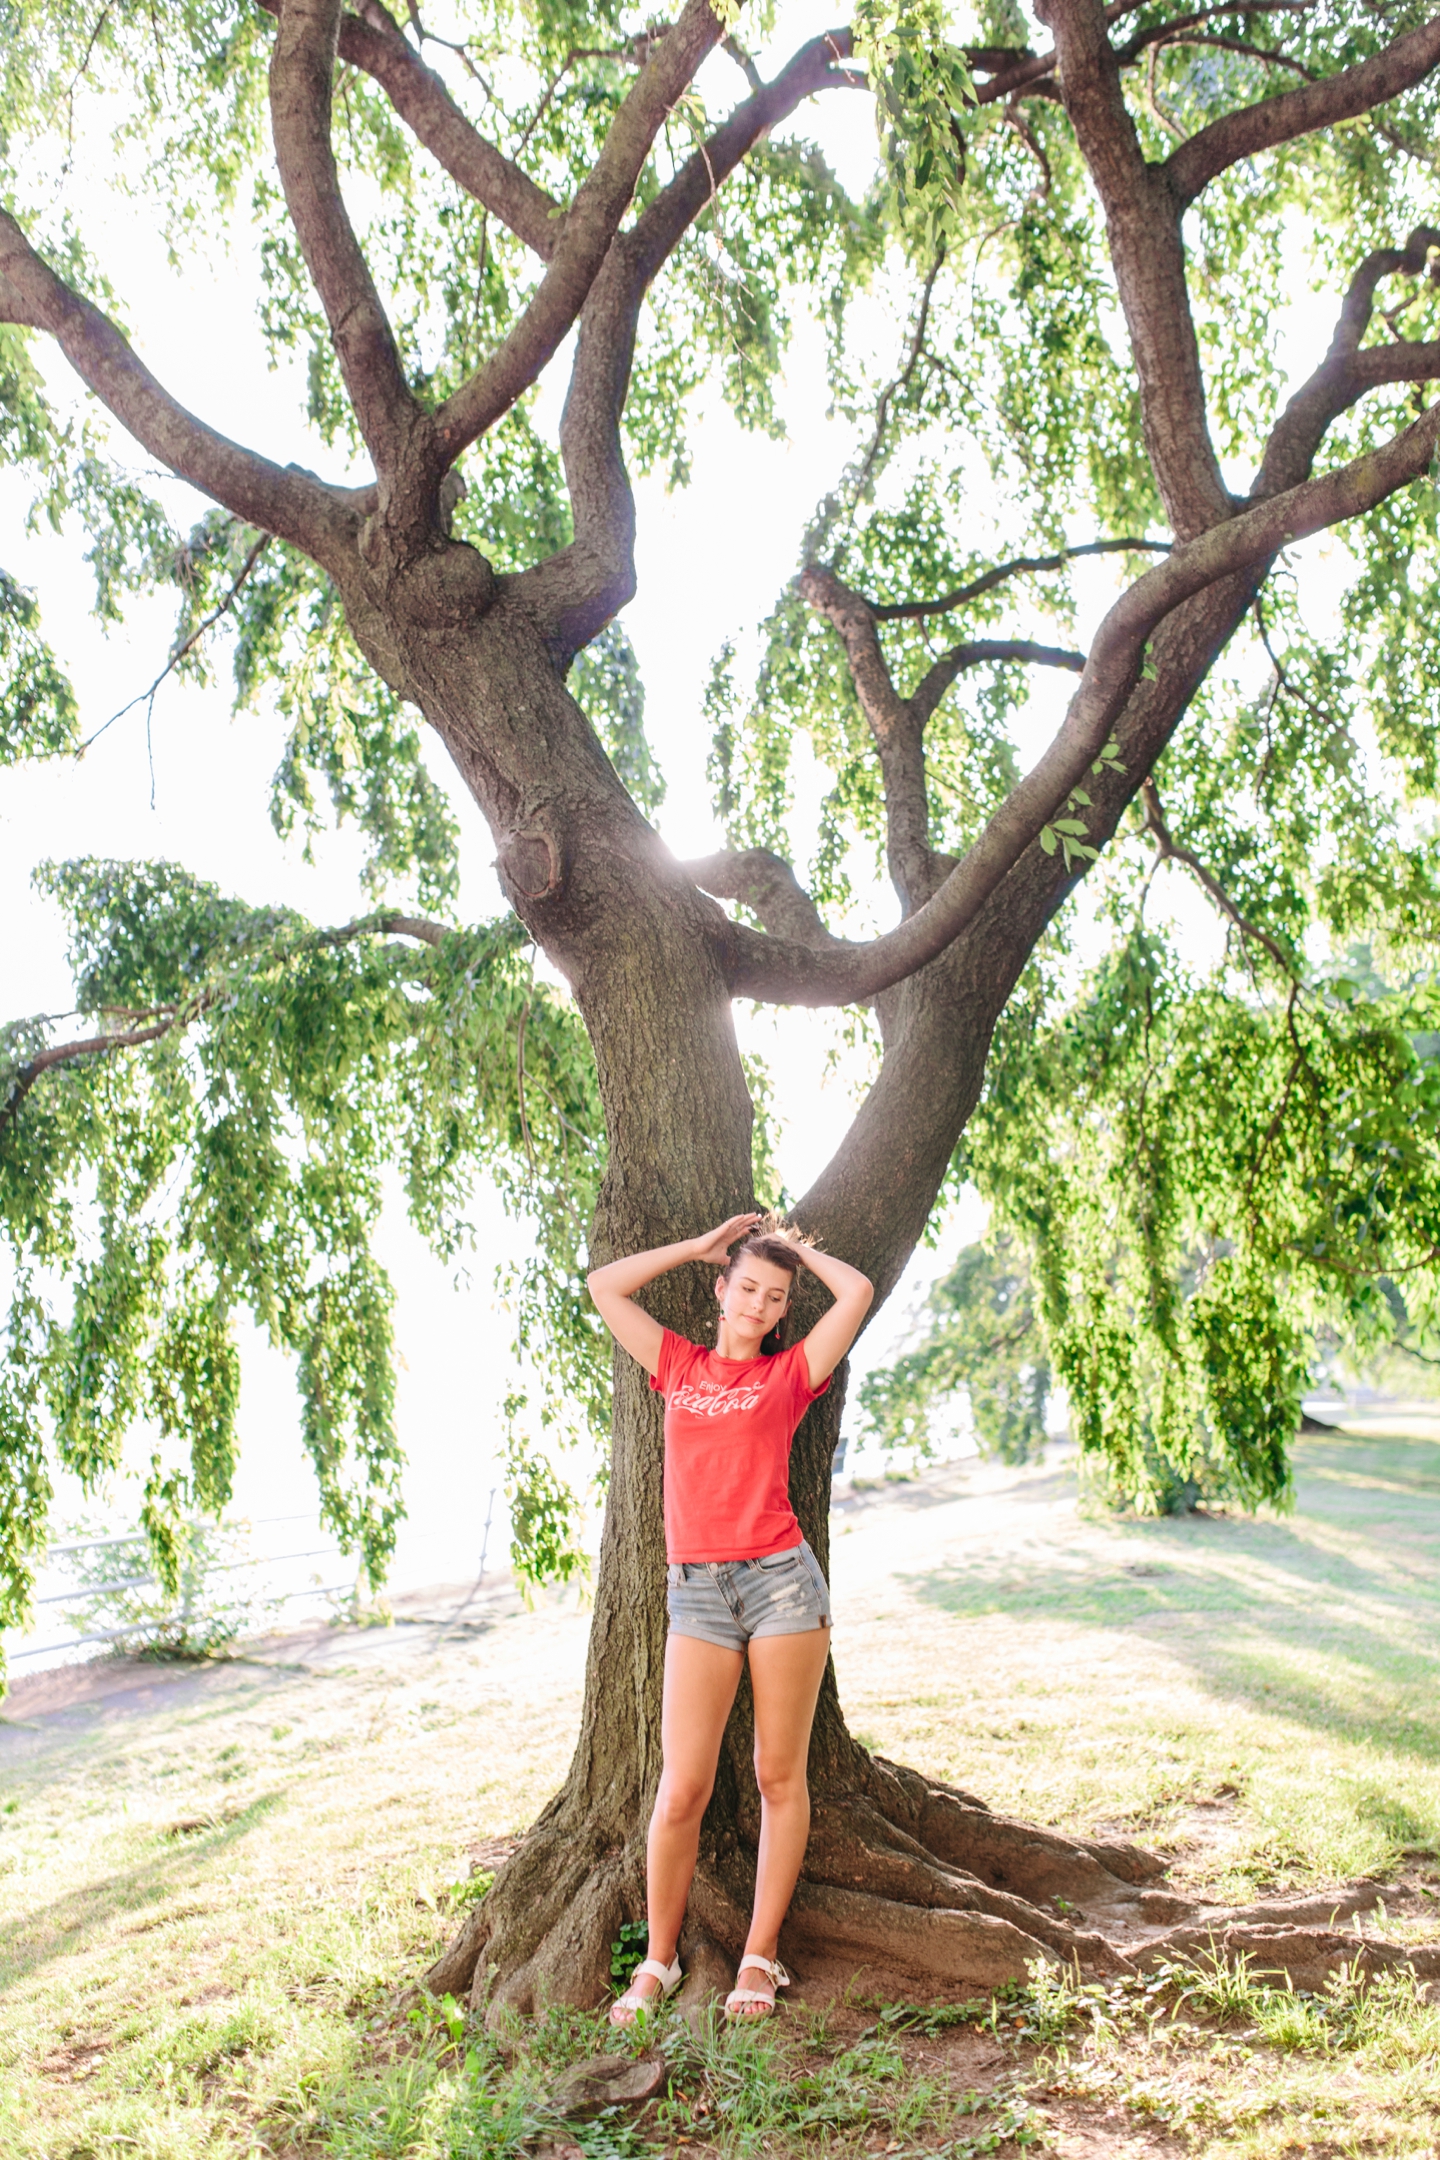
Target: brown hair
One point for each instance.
(779, 1252)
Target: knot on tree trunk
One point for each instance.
(530, 863)
(437, 584)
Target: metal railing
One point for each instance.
(82, 1592)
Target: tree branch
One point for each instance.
(897, 729)
(576, 591)
(767, 885)
(902, 381)
(1271, 56)
(180, 1017)
(844, 974)
(372, 41)
(852, 619)
(1017, 71)
(1142, 220)
(1282, 119)
(937, 680)
(591, 226)
(414, 926)
(66, 1053)
(147, 697)
(1179, 25)
(917, 610)
(277, 499)
(302, 70)
(1346, 373)
(1168, 849)
(898, 724)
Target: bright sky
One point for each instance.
(712, 560)
(196, 792)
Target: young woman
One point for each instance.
(743, 1581)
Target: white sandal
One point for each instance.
(669, 1977)
(740, 1995)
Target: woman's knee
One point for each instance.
(681, 1800)
(781, 1782)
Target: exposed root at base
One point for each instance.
(908, 1886)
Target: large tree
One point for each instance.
(1083, 232)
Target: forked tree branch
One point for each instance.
(1017, 71)
(575, 591)
(589, 228)
(897, 724)
(302, 71)
(845, 974)
(896, 727)
(277, 499)
(1346, 373)
(852, 618)
(371, 40)
(1342, 96)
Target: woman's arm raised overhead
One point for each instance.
(613, 1286)
(832, 1334)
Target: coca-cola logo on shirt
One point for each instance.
(712, 1398)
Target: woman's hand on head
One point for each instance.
(713, 1247)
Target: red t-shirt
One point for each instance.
(729, 1423)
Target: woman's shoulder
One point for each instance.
(677, 1351)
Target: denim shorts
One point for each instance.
(729, 1601)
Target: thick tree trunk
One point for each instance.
(903, 1877)
(906, 1882)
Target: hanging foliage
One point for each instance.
(210, 1133)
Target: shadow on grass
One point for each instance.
(57, 1930)
(943, 1490)
(1330, 1617)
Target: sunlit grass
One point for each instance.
(1258, 1698)
(1262, 1700)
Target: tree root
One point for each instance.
(1304, 1957)
(908, 1886)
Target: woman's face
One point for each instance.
(754, 1298)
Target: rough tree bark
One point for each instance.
(906, 1880)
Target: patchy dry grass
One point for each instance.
(1259, 1699)
(211, 1881)
(214, 1884)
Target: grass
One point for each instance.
(210, 1906)
(1258, 1698)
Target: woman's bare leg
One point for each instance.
(700, 1684)
(785, 1676)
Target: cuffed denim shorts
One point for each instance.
(730, 1601)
